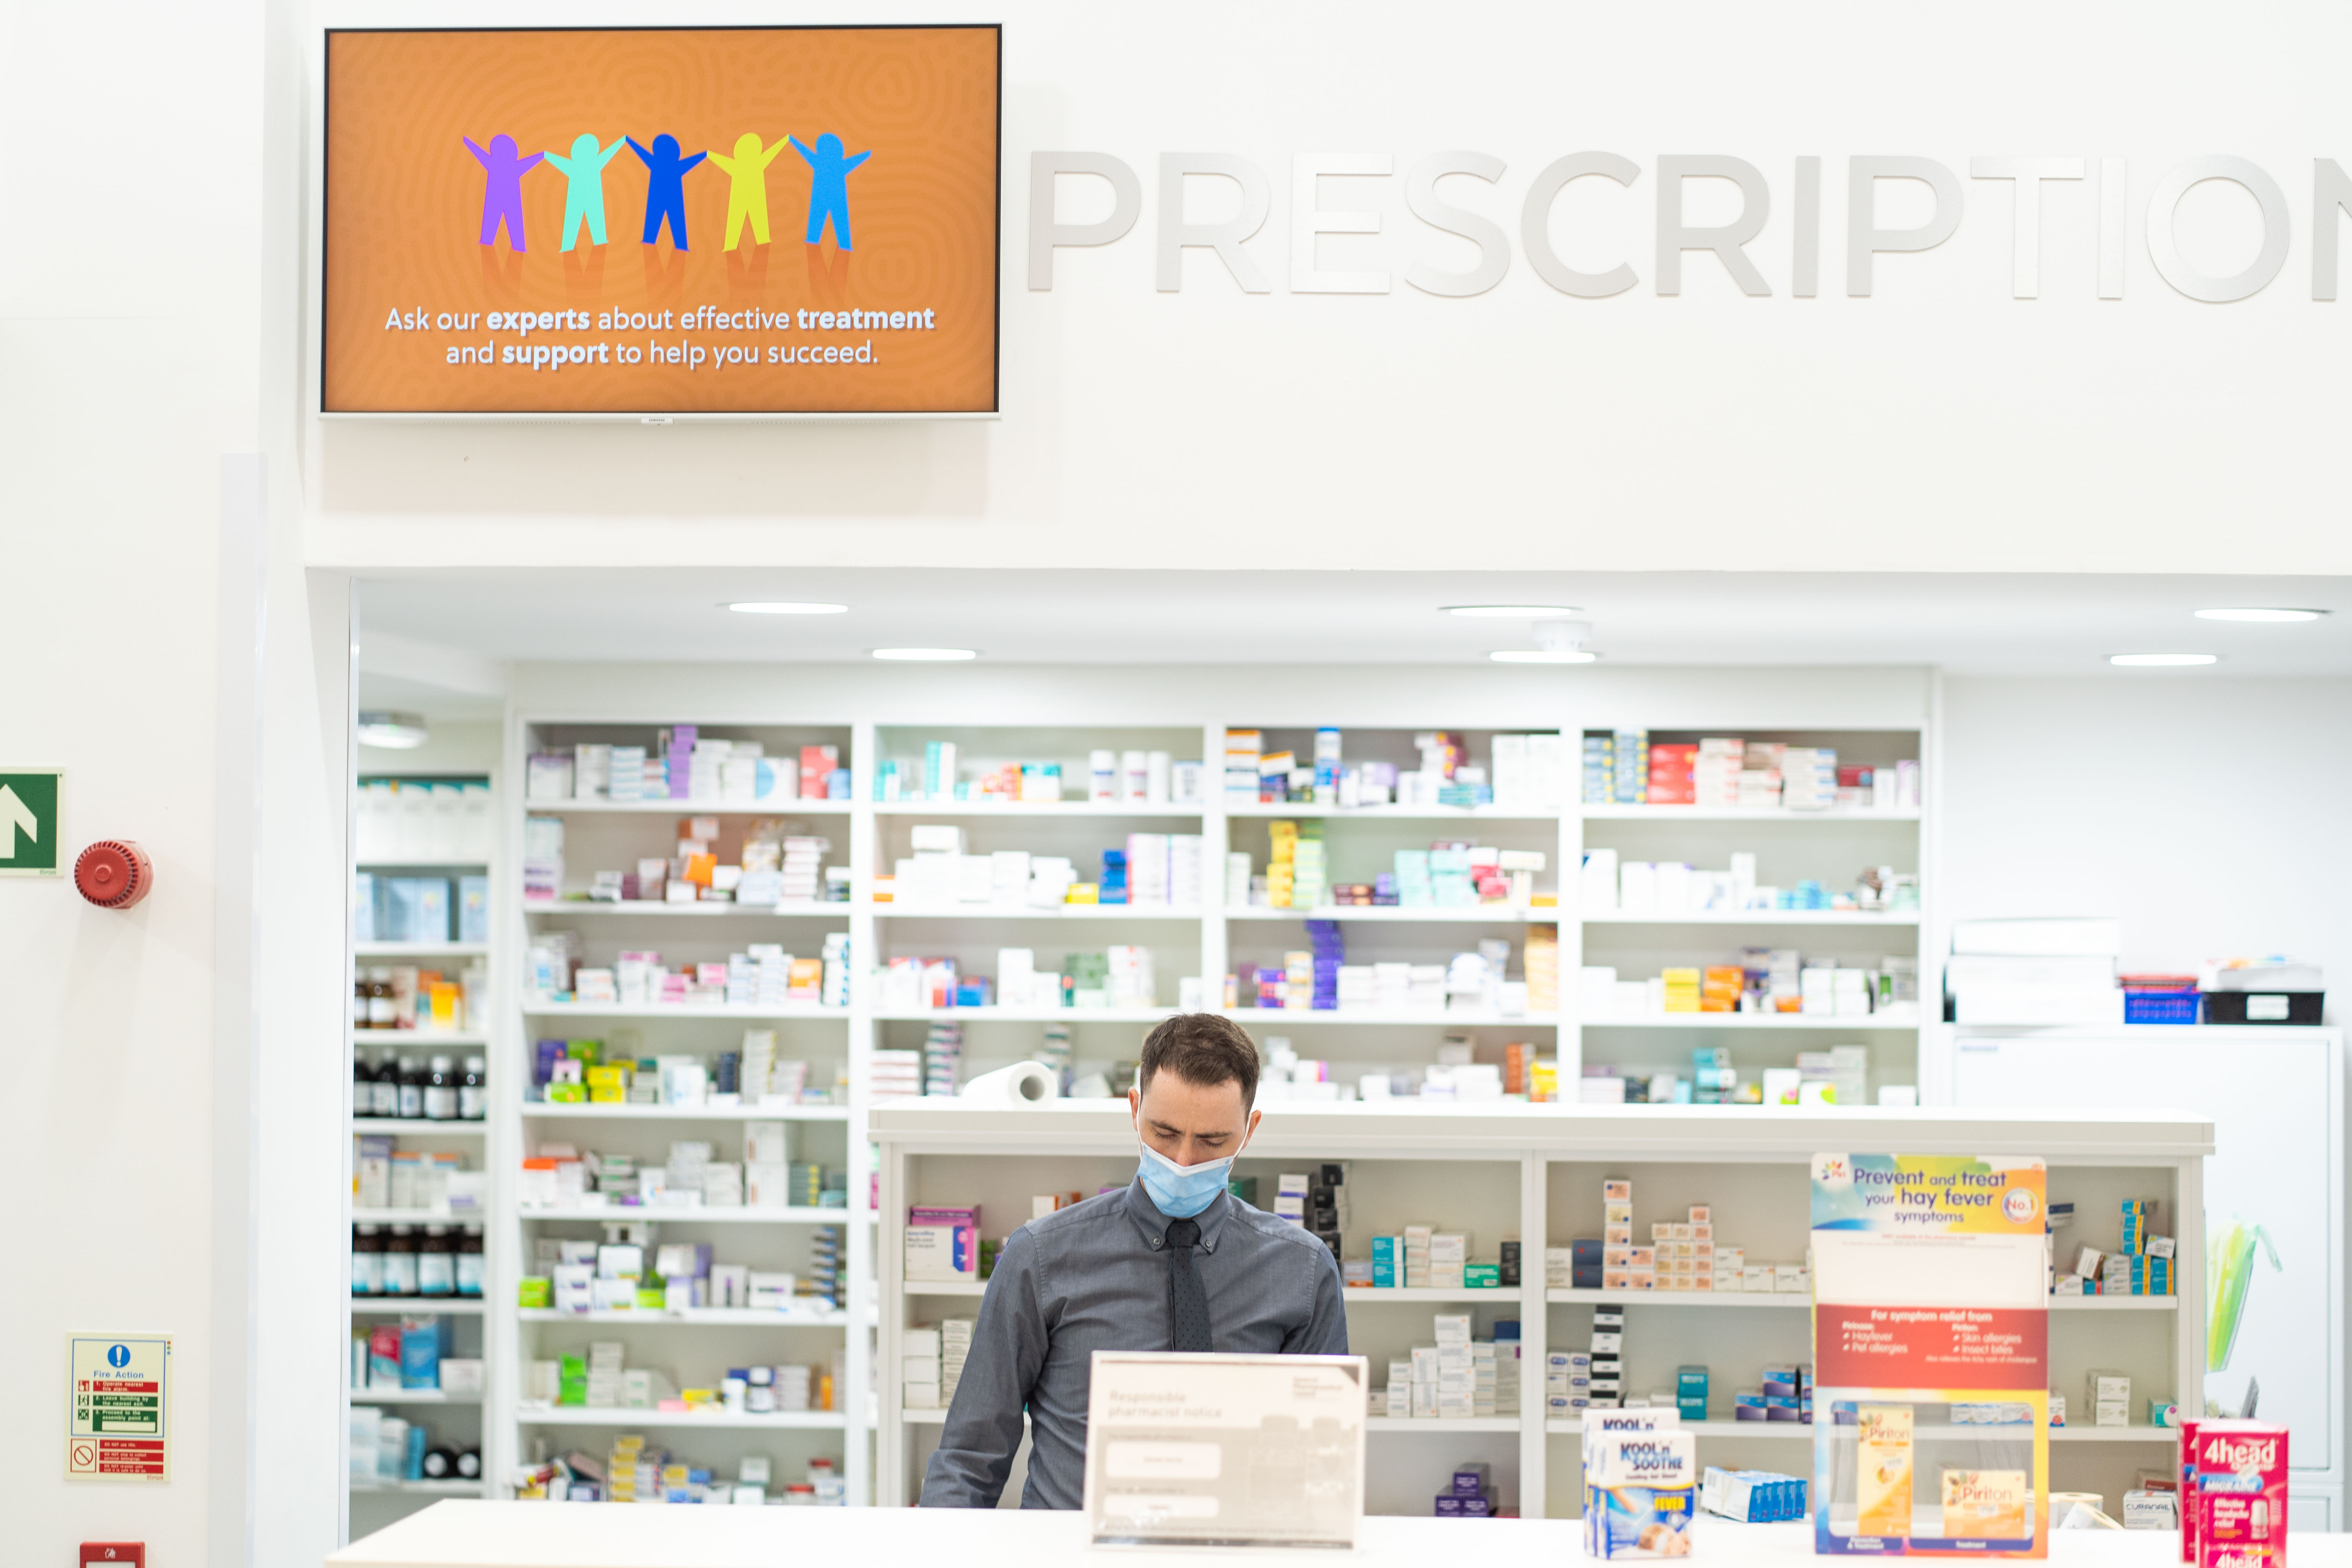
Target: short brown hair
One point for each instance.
(1204, 1049)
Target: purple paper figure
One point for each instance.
(503, 188)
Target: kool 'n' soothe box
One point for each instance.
(1640, 1492)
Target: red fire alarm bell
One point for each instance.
(113, 874)
(133, 1552)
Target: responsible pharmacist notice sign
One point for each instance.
(118, 1407)
(1930, 1318)
(1225, 1450)
(659, 221)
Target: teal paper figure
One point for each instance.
(583, 200)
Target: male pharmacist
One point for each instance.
(1173, 1262)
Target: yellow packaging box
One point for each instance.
(1883, 1472)
(1985, 1503)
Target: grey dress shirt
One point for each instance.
(1094, 1276)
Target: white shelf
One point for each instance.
(664, 806)
(894, 911)
(656, 908)
(387, 1306)
(411, 1396)
(538, 1108)
(418, 1039)
(2115, 1303)
(691, 1216)
(414, 1217)
(697, 1317)
(1362, 1295)
(946, 1287)
(1761, 918)
(1384, 1016)
(1023, 1015)
(1558, 1295)
(2165, 1435)
(1417, 914)
(539, 1008)
(422, 863)
(613, 1415)
(451, 1486)
(932, 1417)
(420, 949)
(1114, 809)
(1439, 1423)
(1881, 1023)
(1613, 813)
(1391, 813)
(419, 1127)
(1557, 1426)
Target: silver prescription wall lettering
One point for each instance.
(1232, 181)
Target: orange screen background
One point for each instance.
(404, 200)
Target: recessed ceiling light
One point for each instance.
(392, 732)
(784, 607)
(2251, 613)
(925, 655)
(2159, 660)
(1543, 656)
(1522, 611)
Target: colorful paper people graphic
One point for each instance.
(747, 193)
(829, 186)
(665, 175)
(502, 187)
(584, 199)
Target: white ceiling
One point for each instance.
(2040, 625)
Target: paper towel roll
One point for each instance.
(1022, 1083)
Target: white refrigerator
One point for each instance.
(2276, 1096)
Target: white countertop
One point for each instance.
(610, 1535)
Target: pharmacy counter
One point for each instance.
(587, 1536)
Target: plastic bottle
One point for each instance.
(412, 1090)
(367, 1261)
(473, 1092)
(470, 1262)
(382, 1008)
(400, 1262)
(441, 1090)
(387, 1084)
(436, 1263)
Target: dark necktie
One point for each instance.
(1188, 1299)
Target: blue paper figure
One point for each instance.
(502, 190)
(665, 188)
(829, 186)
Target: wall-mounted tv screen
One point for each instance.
(674, 221)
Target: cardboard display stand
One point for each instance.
(1931, 1409)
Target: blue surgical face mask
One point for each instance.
(1180, 1192)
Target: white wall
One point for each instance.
(173, 680)
(1940, 424)
(2208, 813)
(130, 330)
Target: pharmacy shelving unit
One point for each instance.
(694, 1348)
(1208, 940)
(1831, 847)
(1534, 1174)
(418, 843)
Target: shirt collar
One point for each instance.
(1154, 1225)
